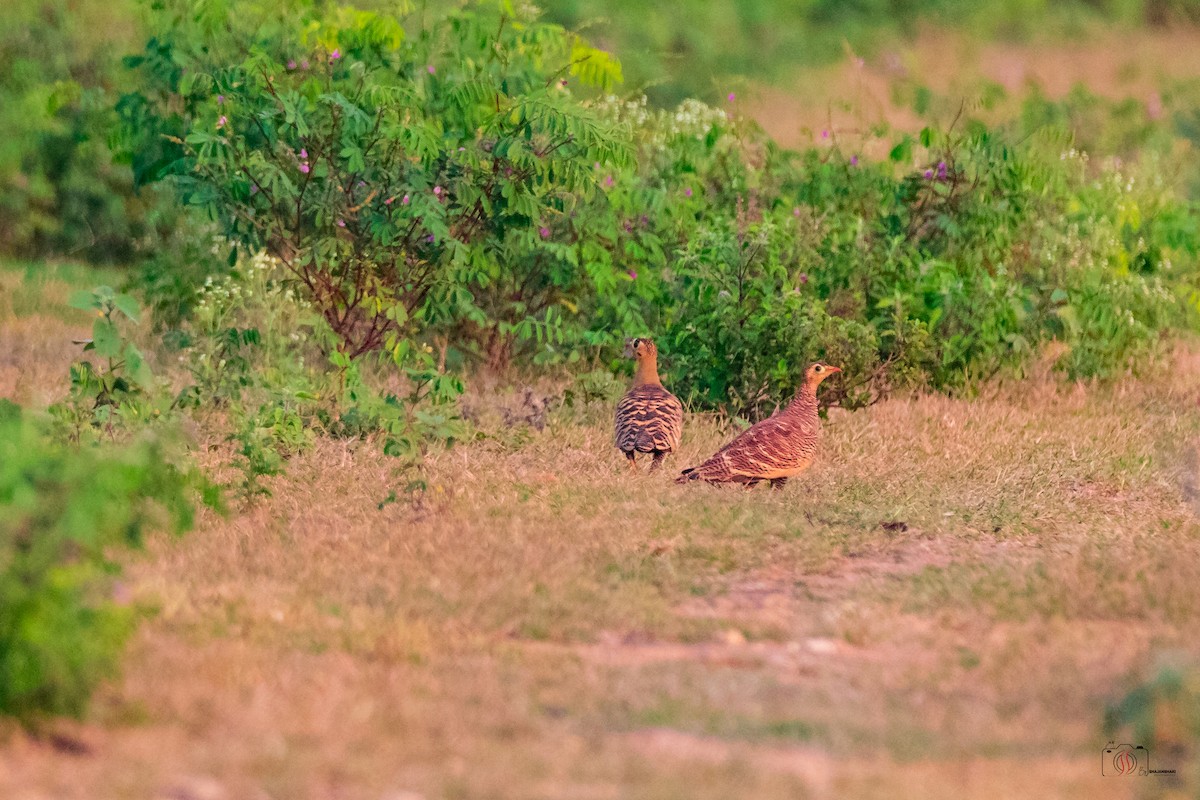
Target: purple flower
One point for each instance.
(437, 190)
(220, 99)
(941, 170)
(362, 184)
(633, 275)
(824, 134)
(291, 63)
(304, 152)
(563, 82)
(731, 97)
(687, 192)
(341, 223)
(404, 200)
(544, 232)
(608, 180)
(431, 69)
(803, 278)
(854, 161)
(796, 211)
(304, 64)
(388, 202)
(253, 188)
(304, 168)
(928, 174)
(221, 120)
(429, 238)
(335, 55)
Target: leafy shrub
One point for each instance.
(106, 396)
(250, 329)
(258, 351)
(944, 265)
(479, 204)
(392, 176)
(64, 514)
(60, 190)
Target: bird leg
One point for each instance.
(632, 457)
(658, 459)
(777, 483)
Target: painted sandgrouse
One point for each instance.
(776, 448)
(649, 418)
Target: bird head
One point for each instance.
(819, 372)
(639, 348)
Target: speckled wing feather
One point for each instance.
(649, 418)
(778, 447)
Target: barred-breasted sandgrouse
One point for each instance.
(649, 418)
(772, 450)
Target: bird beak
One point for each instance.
(835, 369)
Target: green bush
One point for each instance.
(954, 260)
(399, 179)
(60, 191)
(261, 354)
(65, 514)
(114, 391)
(448, 188)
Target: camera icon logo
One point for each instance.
(1123, 760)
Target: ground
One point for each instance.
(942, 607)
(849, 98)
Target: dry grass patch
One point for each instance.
(37, 328)
(850, 97)
(941, 607)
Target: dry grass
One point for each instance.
(850, 97)
(37, 328)
(534, 622)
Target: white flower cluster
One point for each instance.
(1074, 248)
(220, 246)
(691, 118)
(263, 281)
(634, 111)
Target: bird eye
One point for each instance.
(818, 368)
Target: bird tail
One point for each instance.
(689, 474)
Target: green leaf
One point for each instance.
(902, 151)
(136, 367)
(106, 338)
(127, 306)
(83, 299)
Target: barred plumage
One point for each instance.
(774, 449)
(649, 418)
